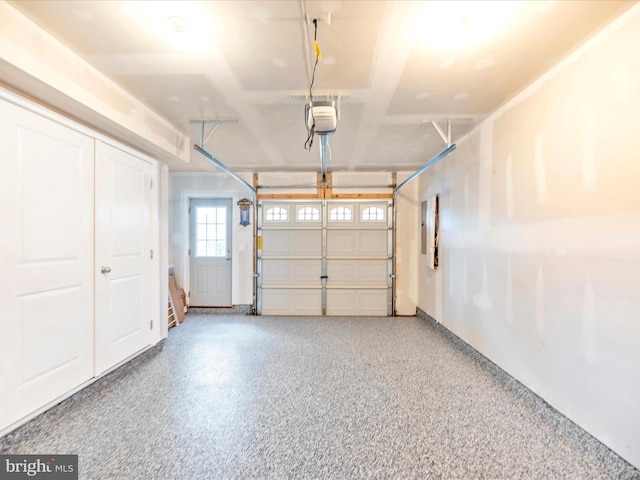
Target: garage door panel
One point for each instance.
(291, 272)
(352, 302)
(309, 302)
(372, 242)
(307, 242)
(292, 243)
(357, 272)
(292, 301)
(357, 243)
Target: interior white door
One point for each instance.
(123, 255)
(46, 261)
(210, 252)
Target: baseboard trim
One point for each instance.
(559, 420)
(77, 392)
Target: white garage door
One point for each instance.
(325, 257)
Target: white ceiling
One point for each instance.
(397, 65)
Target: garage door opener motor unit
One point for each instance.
(321, 116)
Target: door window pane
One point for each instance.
(220, 231)
(211, 232)
(340, 214)
(308, 214)
(201, 215)
(372, 214)
(276, 214)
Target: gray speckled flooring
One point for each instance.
(238, 397)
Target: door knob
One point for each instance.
(105, 269)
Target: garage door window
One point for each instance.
(341, 214)
(372, 214)
(276, 214)
(308, 214)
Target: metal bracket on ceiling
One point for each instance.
(446, 137)
(320, 96)
(214, 126)
(336, 98)
(324, 17)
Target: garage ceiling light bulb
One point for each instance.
(179, 24)
(458, 25)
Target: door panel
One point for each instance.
(358, 261)
(357, 301)
(46, 315)
(128, 291)
(292, 301)
(362, 272)
(357, 243)
(46, 261)
(291, 272)
(291, 258)
(210, 252)
(295, 242)
(123, 260)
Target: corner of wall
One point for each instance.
(38, 65)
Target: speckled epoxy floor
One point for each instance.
(237, 397)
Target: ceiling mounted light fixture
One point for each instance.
(180, 34)
(458, 25)
(179, 24)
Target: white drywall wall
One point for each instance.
(540, 231)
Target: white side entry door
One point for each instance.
(123, 256)
(210, 252)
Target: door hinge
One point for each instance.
(189, 252)
(189, 209)
(151, 254)
(151, 325)
(151, 183)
